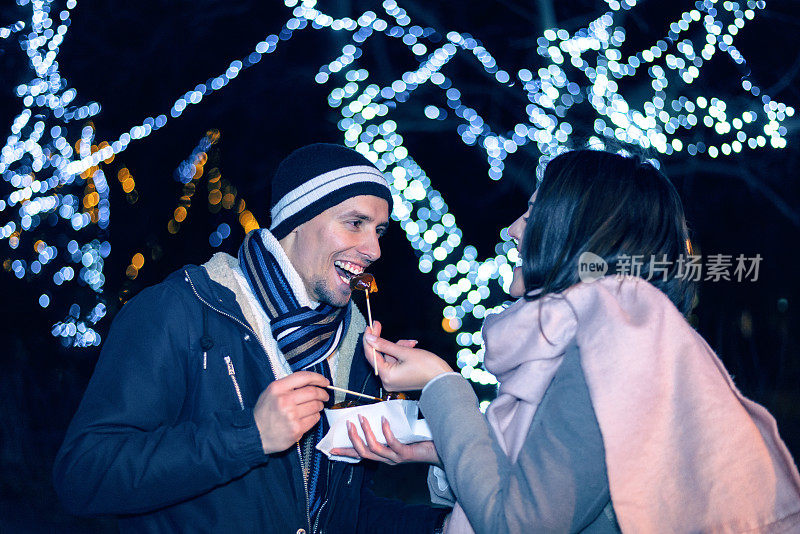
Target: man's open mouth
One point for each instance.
(347, 270)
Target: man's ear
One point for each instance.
(288, 242)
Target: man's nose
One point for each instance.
(370, 247)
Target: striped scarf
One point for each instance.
(305, 336)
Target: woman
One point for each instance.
(612, 413)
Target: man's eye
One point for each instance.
(356, 223)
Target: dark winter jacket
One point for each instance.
(165, 435)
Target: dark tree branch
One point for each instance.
(547, 13)
(519, 10)
(695, 165)
(787, 78)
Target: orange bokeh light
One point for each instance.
(138, 260)
(449, 325)
(180, 214)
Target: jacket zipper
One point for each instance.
(238, 392)
(363, 389)
(322, 506)
(319, 514)
(232, 374)
(305, 484)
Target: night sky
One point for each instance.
(137, 59)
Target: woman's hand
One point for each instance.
(401, 367)
(393, 453)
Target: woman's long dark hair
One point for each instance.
(614, 206)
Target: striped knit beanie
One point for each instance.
(316, 177)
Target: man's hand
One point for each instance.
(288, 408)
(393, 453)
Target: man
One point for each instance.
(204, 409)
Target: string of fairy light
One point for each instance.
(582, 69)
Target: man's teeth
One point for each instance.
(350, 268)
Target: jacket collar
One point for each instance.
(217, 295)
